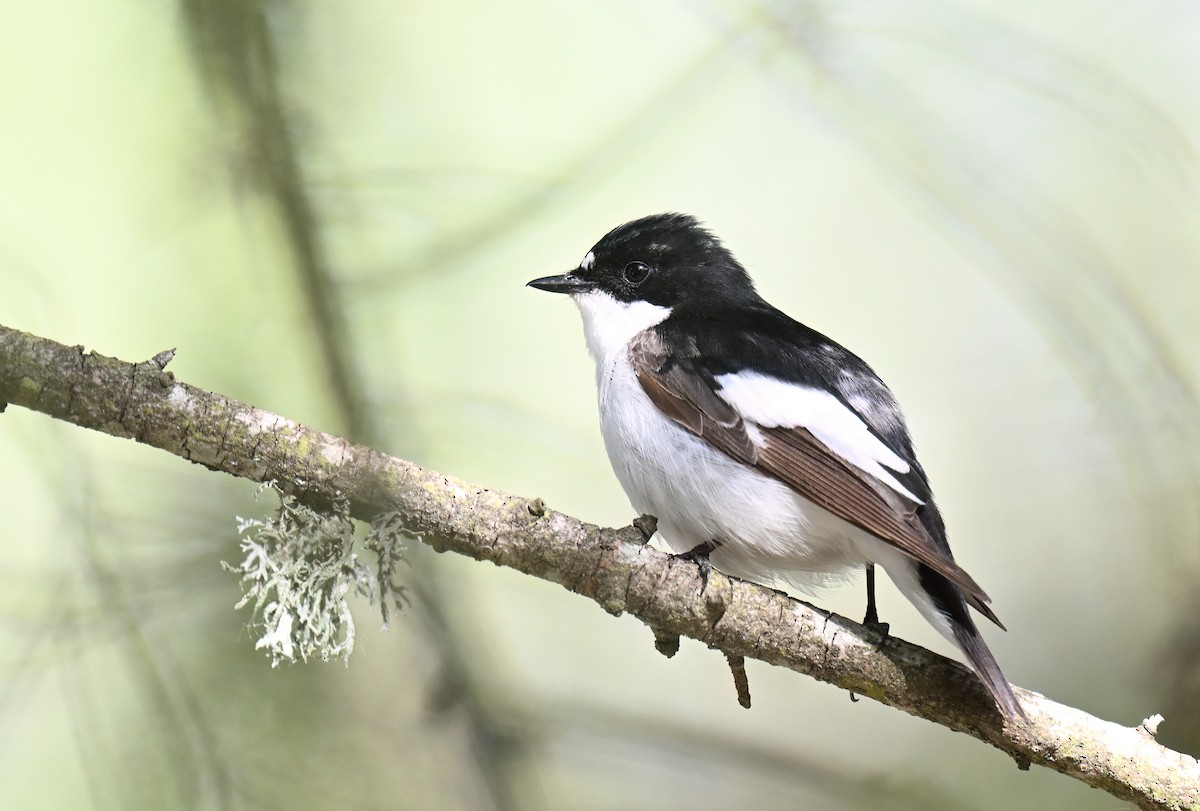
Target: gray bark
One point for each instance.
(612, 567)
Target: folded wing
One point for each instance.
(805, 438)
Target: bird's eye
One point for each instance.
(636, 272)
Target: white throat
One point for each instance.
(609, 325)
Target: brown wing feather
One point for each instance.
(724, 428)
(796, 458)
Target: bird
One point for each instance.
(762, 447)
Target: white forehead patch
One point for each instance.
(588, 261)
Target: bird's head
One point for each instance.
(666, 260)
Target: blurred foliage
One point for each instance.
(331, 211)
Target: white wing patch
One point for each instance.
(773, 403)
(588, 261)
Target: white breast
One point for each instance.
(767, 532)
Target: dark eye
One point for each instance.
(636, 272)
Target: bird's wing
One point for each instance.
(803, 436)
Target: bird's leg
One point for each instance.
(871, 620)
(872, 617)
(699, 555)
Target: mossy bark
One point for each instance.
(613, 567)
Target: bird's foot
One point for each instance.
(699, 555)
(872, 616)
(871, 622)
(881, 628)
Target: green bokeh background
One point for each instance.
(996, 204)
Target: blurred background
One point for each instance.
(331, 210)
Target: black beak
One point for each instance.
(566, 283)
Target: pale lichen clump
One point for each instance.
(299, 569)
(387, 539)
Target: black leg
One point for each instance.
(871, 620)
(872, 617)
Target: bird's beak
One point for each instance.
(566, 283)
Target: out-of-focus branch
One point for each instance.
(613, 567)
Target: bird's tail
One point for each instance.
(968, 638)
(949, 601)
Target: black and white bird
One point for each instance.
(754, 439)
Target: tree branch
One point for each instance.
(613, 567)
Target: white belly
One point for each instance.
(765, 530)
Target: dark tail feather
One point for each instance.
(972, 644)
(949, 599)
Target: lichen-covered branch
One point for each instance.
(613, 567)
